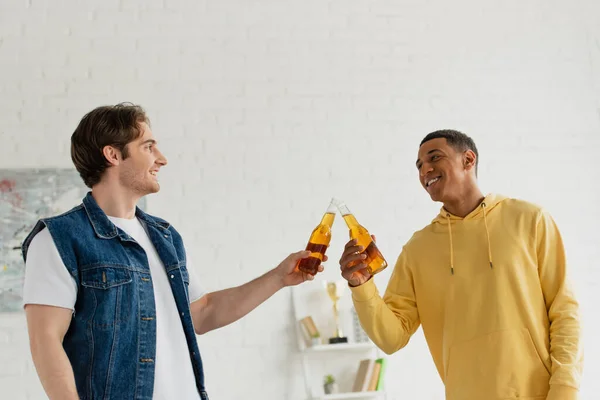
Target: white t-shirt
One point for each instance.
(48, 282)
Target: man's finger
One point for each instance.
(299, 255)
(351, 243)
(356, 268)
(352, 250)
(352, 257)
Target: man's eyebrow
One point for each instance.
(429, 152)
(148, 141)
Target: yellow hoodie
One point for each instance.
(491, 292)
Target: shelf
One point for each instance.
(352, 395)
(340, 347)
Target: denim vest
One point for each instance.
(111, 341)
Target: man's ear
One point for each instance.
(469, 159)
(112, 155)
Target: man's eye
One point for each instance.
(433, 158)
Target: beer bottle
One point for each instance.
(375, 261)
(318, 242)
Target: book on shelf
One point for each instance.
(380, 381)
(374, 377)
(369, 375)
(362, 375)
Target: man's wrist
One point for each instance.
(360, 284)
(364, 292)
(275, 279)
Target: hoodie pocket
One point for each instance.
(500, 365)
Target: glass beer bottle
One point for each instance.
(375, 261)
(318, 242)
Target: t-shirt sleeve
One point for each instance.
(195, 289)
(47, 280)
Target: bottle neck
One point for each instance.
(328, 219)
(347, 215)
(350, 220)
(332, 209)
(329, 215)
(343, 209)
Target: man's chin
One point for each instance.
(154, 188)
(151, 189)
(437, 197)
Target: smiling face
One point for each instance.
(139, 170)
(445, 173)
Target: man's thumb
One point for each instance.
(300, 255)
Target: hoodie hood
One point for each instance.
(489, 203)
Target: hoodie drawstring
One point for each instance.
(451, 246)
(487, 233)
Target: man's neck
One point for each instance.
(115, 201)
(468, 202)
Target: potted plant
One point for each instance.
(329, 385)
(315, 340)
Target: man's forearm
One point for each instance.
(229, 305)
(55, 370)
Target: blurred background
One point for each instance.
(266, 109)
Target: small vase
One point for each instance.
(331, 388)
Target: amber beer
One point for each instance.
(375, 261)
(318, 242)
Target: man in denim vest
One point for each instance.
(111, 300)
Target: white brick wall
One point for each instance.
(267, 109)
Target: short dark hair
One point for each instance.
(114, 126)
(456, 139)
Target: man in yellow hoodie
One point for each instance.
(486, 280)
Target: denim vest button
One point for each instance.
(172, 276)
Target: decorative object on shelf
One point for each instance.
(333, 292)
(312, 335)
(360, 336)
(330, 386)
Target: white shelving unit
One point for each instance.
(359, 395)
(312, 300)
(346, 347)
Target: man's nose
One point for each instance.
(162, 160)
(425, 169)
